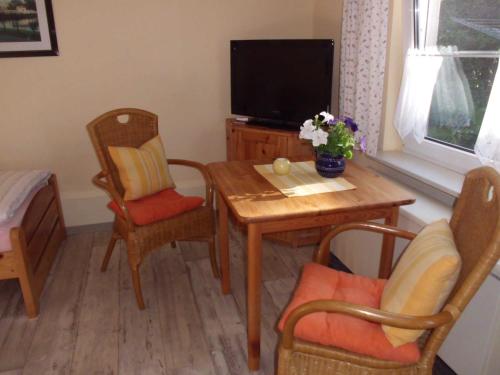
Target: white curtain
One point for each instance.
(427, 75)
(362, 65)
(415, 96)
(452, 94)
(487, 147)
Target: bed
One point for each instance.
(34, 244)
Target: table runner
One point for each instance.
(303, 180)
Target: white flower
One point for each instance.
(307, 130)
(320, 137)
(327, 116)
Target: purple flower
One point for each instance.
(362, 143)
(351, 124)
(333, 121)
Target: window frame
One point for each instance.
(437, 152)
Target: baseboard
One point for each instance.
(441, 368)
(83, 208)
(90, 228)
(337, 264)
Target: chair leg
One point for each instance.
(134, 261)
(136, 280)
(173, 244)
(109, 251)
(213, 257)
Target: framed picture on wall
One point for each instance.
(27, 28)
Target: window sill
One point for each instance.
(433, 200)
(435, 176)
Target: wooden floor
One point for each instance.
(89, 322)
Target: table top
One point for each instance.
(253, 199)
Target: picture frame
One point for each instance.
(27, 28)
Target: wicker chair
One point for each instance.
(476, 227)
(198, 224)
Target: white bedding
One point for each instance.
(15, 221)
(15, 187)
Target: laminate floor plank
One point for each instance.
(281, 291)
(273, 266)
(17, 371)
(141, 349)
(186, 348)
(96, 348)
(221, 321)
(269, 312)
(89, 321)
(10, 298)
(9, 289)
(55, 337)
(293, 258)
(193, 250)
(16, 330)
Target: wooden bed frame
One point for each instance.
(34, 245)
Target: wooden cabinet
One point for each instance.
(249, 142)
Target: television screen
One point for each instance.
(281, 82)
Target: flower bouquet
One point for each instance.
(334, 140)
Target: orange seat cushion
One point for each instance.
(159, 206)
(343, 331)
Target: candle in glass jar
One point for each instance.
(282, 166)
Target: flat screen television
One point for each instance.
(281, 82)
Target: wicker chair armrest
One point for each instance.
(366, 313)
(102, 182)
(324, 247)
(209, 186)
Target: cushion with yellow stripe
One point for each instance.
(144, 170)
(422, 279)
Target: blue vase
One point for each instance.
(329, 166)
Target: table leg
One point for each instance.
(254, 276)
(224, 245)
(387, 254)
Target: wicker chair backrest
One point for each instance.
(476, 228)
(126, 127)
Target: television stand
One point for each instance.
(249, 141)
(273, 124)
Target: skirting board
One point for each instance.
(89, 207)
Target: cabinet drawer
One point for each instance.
(253, 145)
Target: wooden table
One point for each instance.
(256, 203)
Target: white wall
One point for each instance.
(168, 57)
(360, 250)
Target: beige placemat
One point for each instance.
(303, 180)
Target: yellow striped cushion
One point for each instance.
(422, 280)
(144, 170)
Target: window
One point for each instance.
(466, 34)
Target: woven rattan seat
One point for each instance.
(476, 228)
(129, 127)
